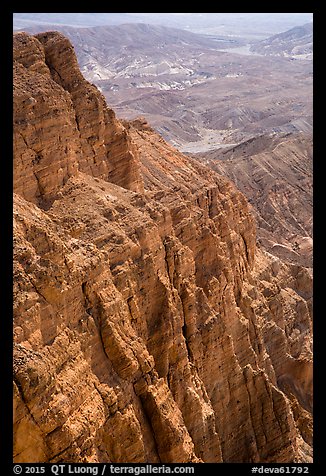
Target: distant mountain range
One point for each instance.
(148, 327)
(296, 42)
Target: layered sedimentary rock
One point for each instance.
(62, 123)
(147, 327)
(275, 172)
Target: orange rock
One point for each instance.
(148, 328)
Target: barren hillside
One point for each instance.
(147, 326)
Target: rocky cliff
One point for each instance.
(275, 173)
(147, 327)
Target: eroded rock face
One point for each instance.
(147, 327)
(275, 172)
(62, 123)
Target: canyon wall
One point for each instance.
(147, 327)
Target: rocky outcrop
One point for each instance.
(147, 328)
(275, 173)
(62, 123)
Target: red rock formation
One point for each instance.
(142, 318)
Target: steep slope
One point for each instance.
(142, 333)
(275, 174)
(170, 75)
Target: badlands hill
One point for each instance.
(296, 42)
(275, 173)
(252, 25)
(147, 325)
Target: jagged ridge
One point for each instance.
(141, 331)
